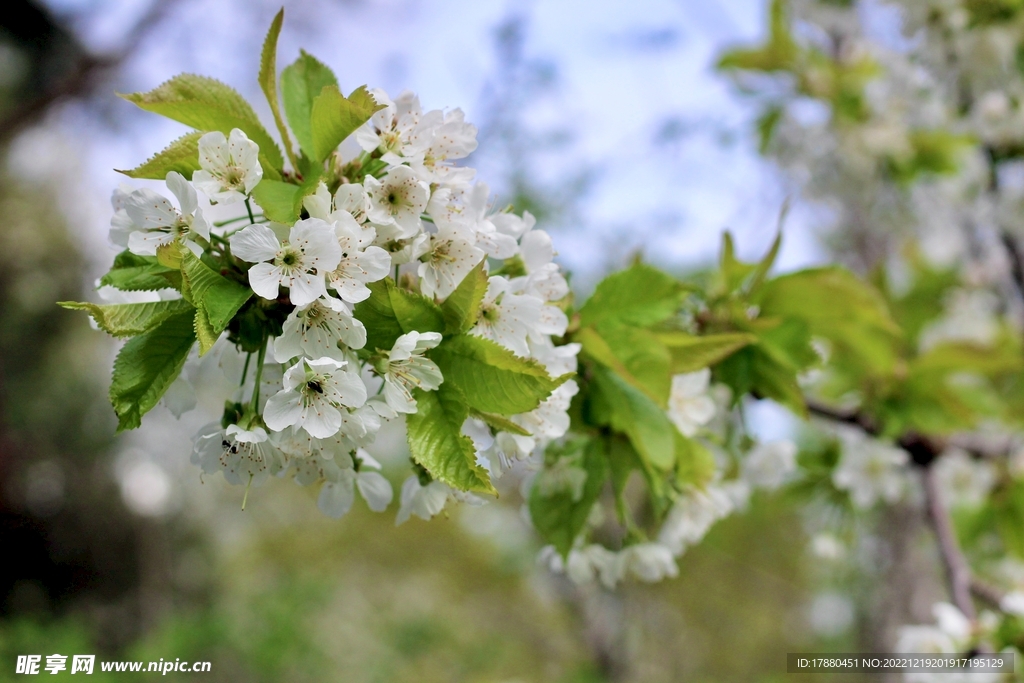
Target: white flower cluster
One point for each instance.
(869, 470)
(414, 216)
(768, 466)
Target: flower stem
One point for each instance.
(254, 404)
(248, 207)
(229, 221)
(246, 496)
(245, 368)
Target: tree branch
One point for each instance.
(957, 569)
(987, 593)
(856, 418)
(923, 450)
(88, 71)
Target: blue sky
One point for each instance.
(625, 74)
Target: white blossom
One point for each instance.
(827, 547)
(511, 319)
(770, 465)
(689, 405)
(869, 469)
(300, 264)
(585, 565)
(360, 261)
(319, 329)
(449, 257)
(156, 223)
(1013, 603)
(397, 130)
(550, 419)
(693, 515)
(338, 492)
(452, 139)
(426, 501)
(242, 455)
(406, 369)
(315, 394)
(650, 562)
(121, 225)
(230, 166)
(964, 480)
(465, 211)
(557, 360)
(396, 202)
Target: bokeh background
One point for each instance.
(605, 119)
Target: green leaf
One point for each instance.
(925, 300)
(334, 117)
(559, 518)
(462, 307)
(691, 353)
(788, 341)
(128, 320)
(634, 414)
(207, 104)
(640, 295)
(492, 378)
(437, 443)
(498, 423)
(765, 264)
(1008, 502)
(301, 82)
(595, 346)
(133, 273)
(755, 370)
(646, 360)
(216, 298)
(391, 311)
(269, 172)
(268, 80)
(695, 464)
(733, 271)
(279, 200)
(181, 156)
(146, 367)
(623, 460)
(836, 306)
(964, 357)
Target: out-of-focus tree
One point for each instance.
(898, 123)
(74, 551)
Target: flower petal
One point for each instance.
(375, 490)
(282, 410)
(335, 499)
(265, 280)
(255, 243)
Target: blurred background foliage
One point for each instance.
(280, 593)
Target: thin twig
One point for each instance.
(852, 417)
(957, 569)
(1016, 260)
(987, 593)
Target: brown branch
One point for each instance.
(1016, 259)
(923, 450)
(987, 593)
(851, 417)
(957, 570)
(90, 70)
